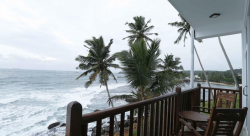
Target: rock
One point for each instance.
(53, 125)
(135, 120)
(63, 124)
(126, 123)
(106, 129)
(94, 129)
(96, 110)
(103, 131)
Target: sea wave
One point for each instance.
(29, 113)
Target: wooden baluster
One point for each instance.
(165, 118)
(215, 93)
(152, 120)
(111, 125)
(172, 114)
(169, 116)
(131, 122)
(146, 121)
(122, 124)
(84, 130)
(177, 109)
(139, 121)
(209, 100)
(203, 101)
(161, 118)
(74, 119)
(98, 127)
(157, 118)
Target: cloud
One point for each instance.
(11, 53)
(62, 38)
(116, 4)
(19, 12)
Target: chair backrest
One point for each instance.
(223, 121)
(225, 100)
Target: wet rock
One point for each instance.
(53, 125)
(135, 120)
(63, 124)
(94, 129)
(96, 110)
(126, 123)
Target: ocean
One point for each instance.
(30, 100)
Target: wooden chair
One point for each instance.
(223, 100)
(221, 122)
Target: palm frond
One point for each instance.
(119, 97)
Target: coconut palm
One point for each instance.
(145, 73)
(171, 63)
(139, 64)
(184, 28)
(97, 63)
(139, 29)
(170, 75)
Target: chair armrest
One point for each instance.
(190, 127)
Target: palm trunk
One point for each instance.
(229, 64)
(116, 122)
(203, 70)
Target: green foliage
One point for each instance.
(98, 62)
(139, 29)
(146, 72)
(219, 76)
(183, 29)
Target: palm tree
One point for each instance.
(97, 63)
(171, 63)
(139, 29)
(170, 74)
(145, 73)
(184, 28)
(139, 65)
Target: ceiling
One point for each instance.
(197, 13)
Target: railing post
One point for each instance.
(177, 109)
(195, 101)
(74, 118)
(240, 97)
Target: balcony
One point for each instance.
(156, 116)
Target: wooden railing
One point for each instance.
(156, 116)
(208, 95)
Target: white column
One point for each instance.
(243, 35)
(192, 59)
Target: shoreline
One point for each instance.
(216, 83)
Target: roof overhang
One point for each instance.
(198, 12)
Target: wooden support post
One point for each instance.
(74, 119)
(195, 98)
(177, 109)
(240, 97)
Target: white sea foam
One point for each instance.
(29, 113)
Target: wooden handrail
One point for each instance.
(232, 90)
(162, 112)
(90, 117)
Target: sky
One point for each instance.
(50, 34)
